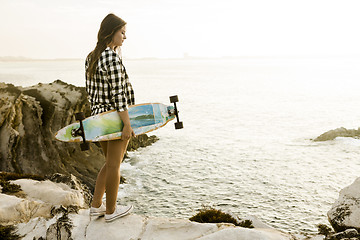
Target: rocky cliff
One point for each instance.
(30, 116)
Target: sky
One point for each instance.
(49, 29)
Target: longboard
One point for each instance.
(107, 126)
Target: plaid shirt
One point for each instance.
(109, 88)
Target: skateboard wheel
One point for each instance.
(174, 99)
(179, 125)
(79, 116)
(84, 146)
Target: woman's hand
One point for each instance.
(127, 133)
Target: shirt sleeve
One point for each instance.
(117, 85)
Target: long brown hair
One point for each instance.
(109, 25)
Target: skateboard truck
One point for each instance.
(80, 131)
(178, 124)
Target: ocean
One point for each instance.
(246, 145)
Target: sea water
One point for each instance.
(246, 145)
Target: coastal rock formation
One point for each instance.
(68, 218)
(345, 212)
(339, 132)
(29, 117)
(37, 199)
(133, 226)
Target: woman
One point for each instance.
(108, 87)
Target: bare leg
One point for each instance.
(115, 154)
(100, 181)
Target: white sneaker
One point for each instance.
(100, 211)
(120, 211)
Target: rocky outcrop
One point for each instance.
(345, 212)
(133, 226)
(141, 141)
(30, 116)
(73, 183)
(348, 234)
(339, 132)
(39, 199)
(68, 218)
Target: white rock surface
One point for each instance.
(137, 227)
(40, 197)
(50, 192)
(317, 238)
(246, 234)
(32, 214)
(167, 228)
(14, 210)
(257, 223)
(35, 228)
(298, 236)
(345, 212)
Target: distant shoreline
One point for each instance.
(26, 59)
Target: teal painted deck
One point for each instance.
(108, 126)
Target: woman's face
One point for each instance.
(119, 37)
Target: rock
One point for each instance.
(257, 223)
(246, 234)
(141, 141)
(66, 221)
(317, 237)
(29, 118)
(8, 233)
(52, 193)
(339, 132)
(129, 227)
(351, 233)
(347, 234)
(345, 212)
(134, 226)
(73, 183)
(38, 199)
(61, 229)
(14, 210)
(336, 236)
(167, 228)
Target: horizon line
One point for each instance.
(22, 58)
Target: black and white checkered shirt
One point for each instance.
(109, 88)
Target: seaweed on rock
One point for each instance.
(7, 232)
(324, 230)
(211, 215)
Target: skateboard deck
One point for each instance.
(108, 125)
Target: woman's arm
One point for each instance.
(117, 83)
(127, 131)
(118, 99)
